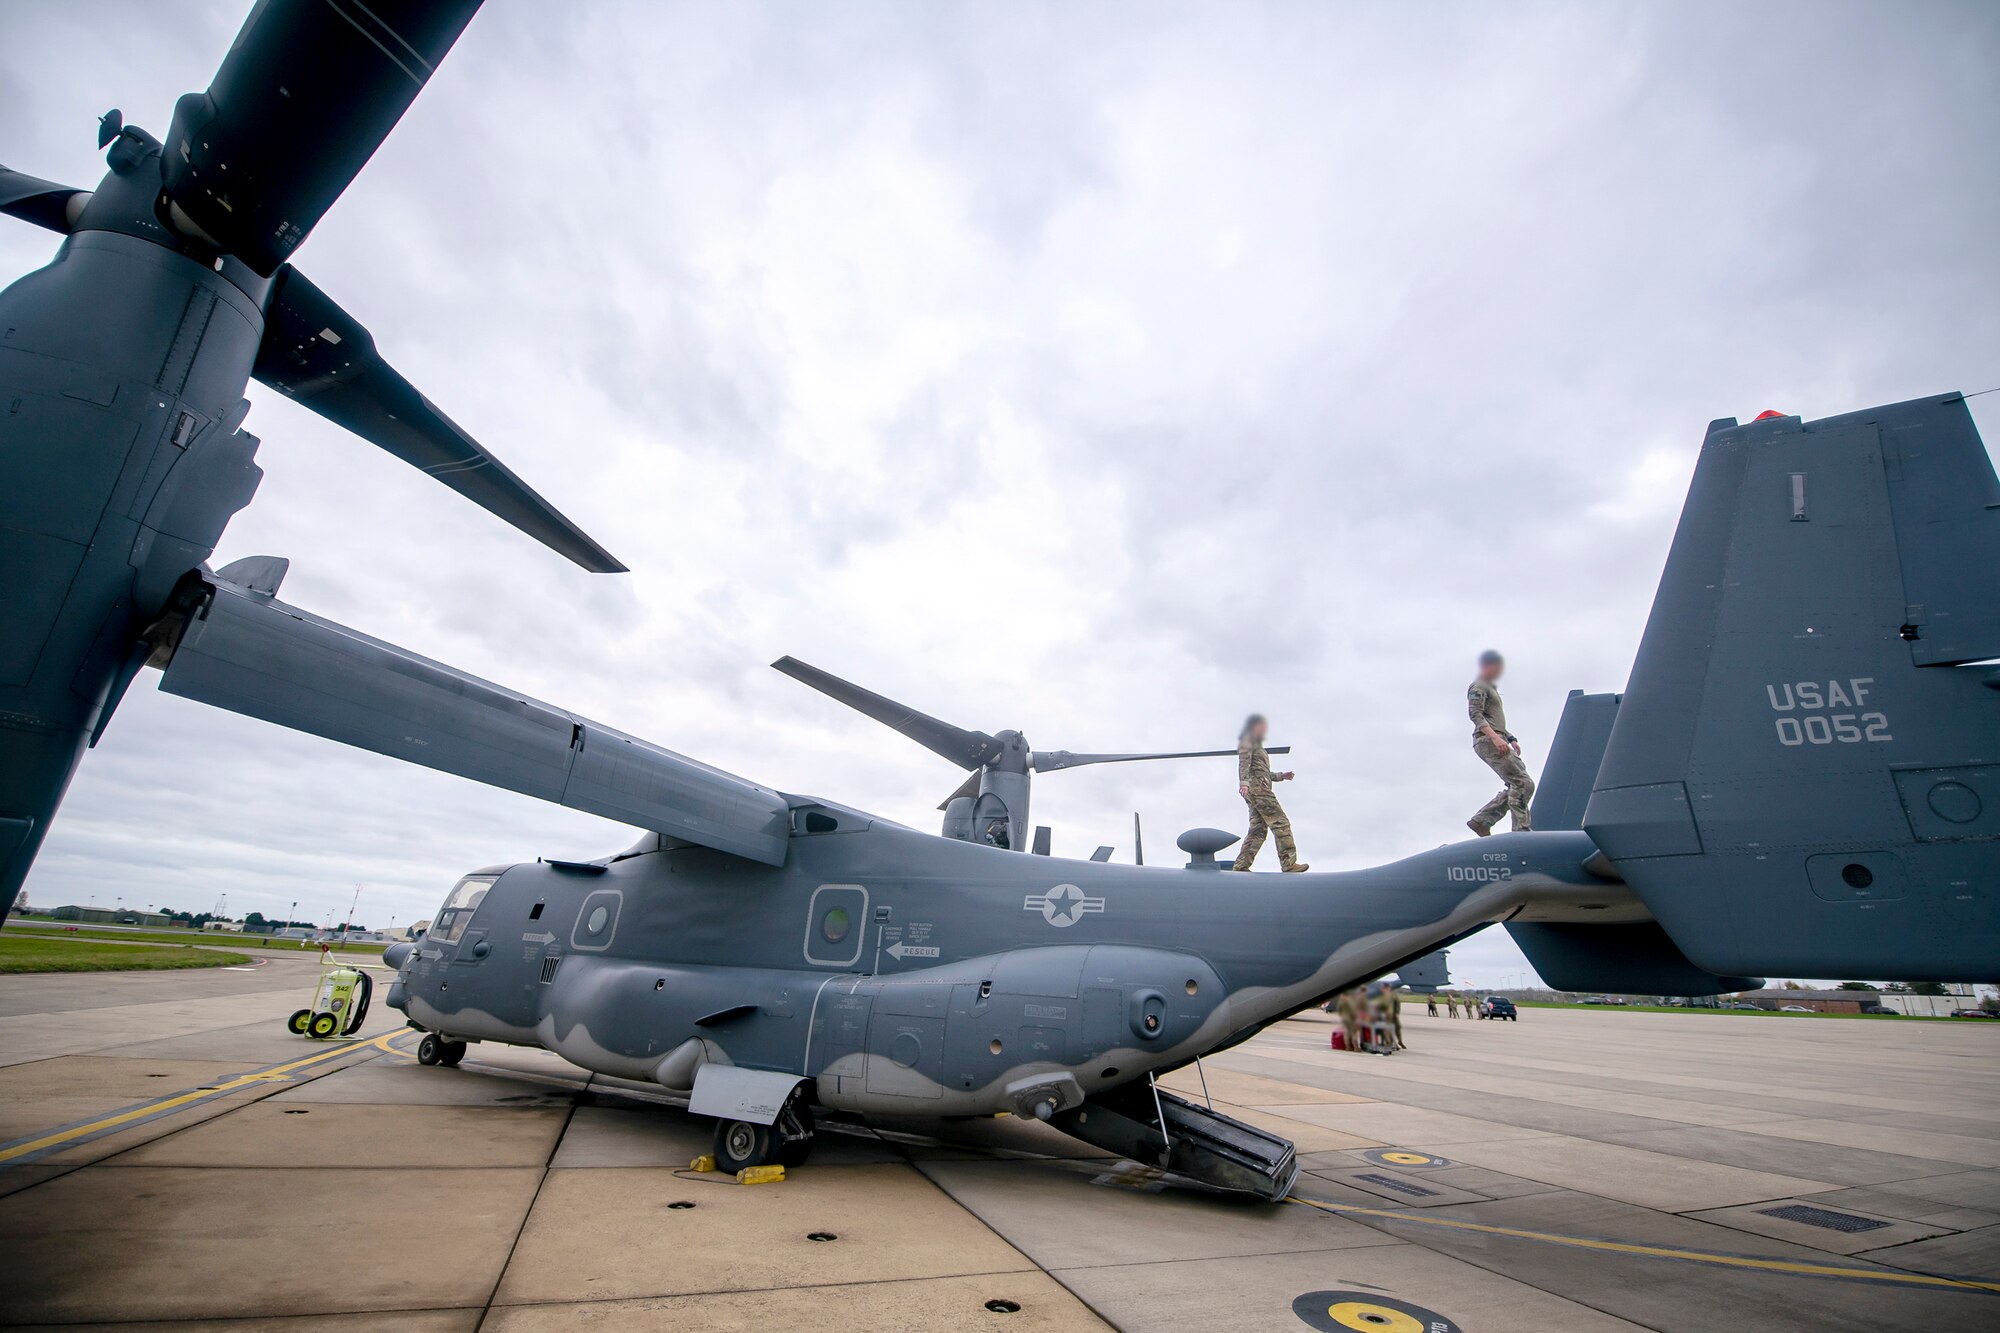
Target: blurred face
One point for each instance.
(1259, 729)
(1491, 670)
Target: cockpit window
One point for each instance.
(456, 914)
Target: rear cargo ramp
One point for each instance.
(1159, 1129)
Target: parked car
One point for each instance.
(1974, 1013)
(1880, 1009)
(1794, 1009)
(1741, 1004)
(1499, 1006)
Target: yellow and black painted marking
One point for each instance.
(1367, 1312)
(1405, 1158)
(16, 1152)
(1794, 1267)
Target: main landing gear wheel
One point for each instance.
(453, 1052)
(323, 1025)
(739, 1143)
(296, 1024)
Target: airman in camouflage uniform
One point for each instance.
(1495, 745)
(1253, 780)
(1350, 1020)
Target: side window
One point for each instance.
(836, 924)
(597, 920)
(456, 914)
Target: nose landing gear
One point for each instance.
(436, 1050)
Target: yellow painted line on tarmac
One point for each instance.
(147, 1110)
(1662, 1251)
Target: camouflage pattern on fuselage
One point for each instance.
(961, 979)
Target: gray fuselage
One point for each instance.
(909, 973)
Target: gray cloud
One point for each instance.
(1102, 370)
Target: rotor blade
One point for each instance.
(306, 95)
(967, 749)
(1139, 841)
(969, 787)
(32, 199)
(321, 357)
(1050, 761)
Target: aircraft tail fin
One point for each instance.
(1428, 973)
(1574, 758)
(1801, 777)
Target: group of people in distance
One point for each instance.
(1498, 748)
(1453, 1001)
(1371, 1016)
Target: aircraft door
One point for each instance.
(838, 1040)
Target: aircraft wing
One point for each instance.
(247, 652)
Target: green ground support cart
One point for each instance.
(339, 1005)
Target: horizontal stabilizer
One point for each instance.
(32, 199)
(247, 653)
(320, 356)
(1631, 959)
(305, 96)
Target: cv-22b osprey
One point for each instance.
(1802, 776)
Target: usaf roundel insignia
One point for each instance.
(1064, 905)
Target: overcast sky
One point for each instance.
(1101, 370)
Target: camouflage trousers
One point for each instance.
(1267, 816)
(1512, 798)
